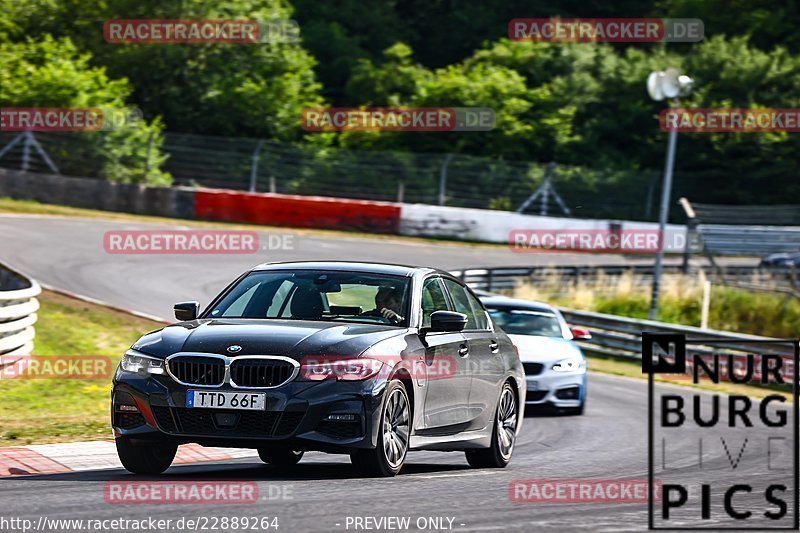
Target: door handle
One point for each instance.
(494, 347)
(463, 351)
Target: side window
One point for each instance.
(481, 320)
(433, 299)
(461, 302)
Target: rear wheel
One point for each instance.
(145, 458)
(498, 455)
(280, 457)
(387, 458)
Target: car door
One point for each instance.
(484, 361)
(448, 382)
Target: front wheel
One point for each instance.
(145, 458)
(498, 455)
(387, 459)
(280, 457)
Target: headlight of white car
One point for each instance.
(570, 364)
(134, 361)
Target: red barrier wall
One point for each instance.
(296, 211)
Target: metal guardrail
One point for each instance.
(621, 337)
(719, 239)
(785, 280)
(18, 307)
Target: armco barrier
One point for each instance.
(297, 211)
(485, 225)
(784, 280)
(18, 306)
(89, 193)
(621, 337)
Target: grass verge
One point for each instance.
(59, 410)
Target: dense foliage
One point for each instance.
(581, 104)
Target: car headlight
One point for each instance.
(133, 361)
(570, 364)
(338, 368)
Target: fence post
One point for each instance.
(401, 191)
(443, 178)
(254, 166)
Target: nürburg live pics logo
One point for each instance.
(724, 452)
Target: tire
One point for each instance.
(387, 459)
(280, 457)
(498, 455)
(147, 459)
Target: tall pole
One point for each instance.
(662, 221)
(443, 179)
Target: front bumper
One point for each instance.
(296, 415)
(559, 389)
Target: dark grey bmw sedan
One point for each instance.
(369, 360)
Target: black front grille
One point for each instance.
(128, 420)
(198, 370)
(164, 418)
(340, 430)
(260, 372)
(535, 396)
(208, 422)
(533, 369)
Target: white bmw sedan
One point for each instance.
(555, 367)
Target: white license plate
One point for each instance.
(249, 401)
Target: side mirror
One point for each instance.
(186, 310)
(447, 321)
(580, 334)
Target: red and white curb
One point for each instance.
(94, 455)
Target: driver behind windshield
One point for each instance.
(388, 301)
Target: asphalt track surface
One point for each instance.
(609, 442)
(68, 253)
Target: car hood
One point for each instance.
(541, 349)
(291, 338)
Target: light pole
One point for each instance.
(660, 85)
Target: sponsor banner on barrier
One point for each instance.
(729, 120)
(610, 30)
(193, 242)
(579, 491)
(185, 31)
(297, 211)
(431, 119)
(624, 241)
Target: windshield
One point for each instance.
(317, 295)
(525, 322)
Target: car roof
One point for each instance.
(349, 266)
(504, 302)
